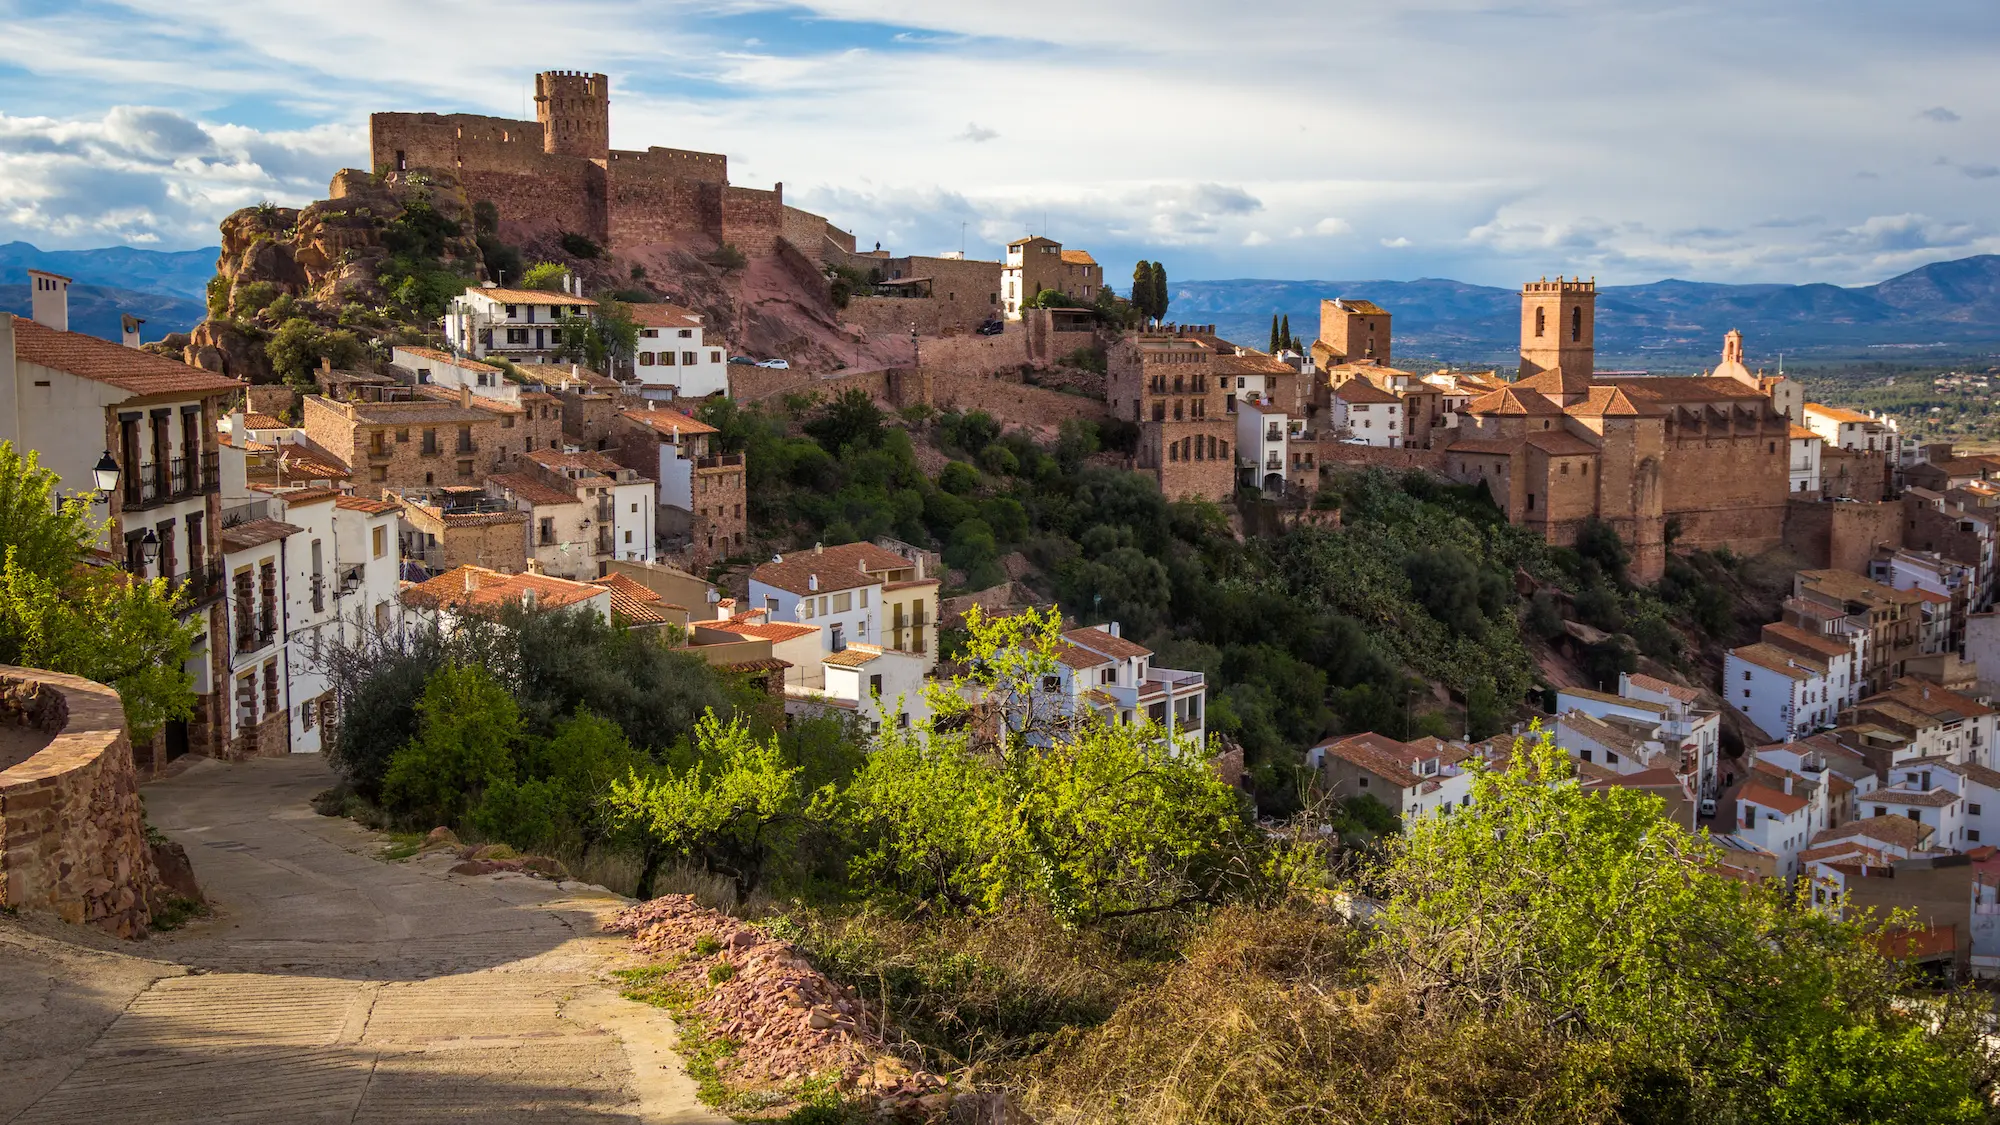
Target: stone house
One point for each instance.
(519, 325)
(584, 510)
(701, 491)
(1036, 263)
(1425, 777)
(78, 401)
(400, 445)
(672, 360)
(1165, 380)
(444, 601)
(448, 527)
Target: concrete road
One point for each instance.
(330, 986)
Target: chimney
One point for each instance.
(812, 583)
(325, 366)
(464, 395)
(1788, 785)
(50, 305)
(1114, 628)
(819, 548)
(129, 325)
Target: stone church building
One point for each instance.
(1705, 457)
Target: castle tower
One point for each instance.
(575, 111)
(1356, 331)
(1558, 330)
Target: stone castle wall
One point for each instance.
(1841, 534)
(1727, 491)
(752, 220)
(72, 832)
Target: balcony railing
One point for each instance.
(201, 584)
(159, 482)
(720, 461)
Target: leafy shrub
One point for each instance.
(549, 277)
(467, 726)
(579, 246)
(727, 257)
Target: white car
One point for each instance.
(775, 364)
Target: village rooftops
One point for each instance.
(1098, 638)
(532, 297)
(825, 569)
(576, 375)
(668, 423)
(1078, 258)
(1673, 390)
(1792, 637)
(855, 655)
(755, 624)
(1800, 433)
(1615, 700)
(1399, 763)
(362, 504)
(101, 361)
(1360, 392)
(425, 411)
(1931, 701)
(533, 489)
(578, 465)
(1758, 793)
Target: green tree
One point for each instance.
(605, 337)
(729, 810)
(1142, 290)
(298, 345)
(1284, 334)
(1588, 918)
(95, 622)
(548, 277)
(559, 802)
(1157, 286)
(467, 727)
(1275, 343)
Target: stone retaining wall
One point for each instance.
(72, 835)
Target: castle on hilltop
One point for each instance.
(560, 170)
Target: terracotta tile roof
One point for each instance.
(907, 583)
(247, 445)
(306, 462)
(1079, 658)
(838, 568)
(1251, 363)
(1512, 400)
(532, 489)
(668, 423)
(552, 374)
(425, 411)
(478, 587)
(437, 356)
(1931, 701)
(1837, 413)
(1358, 306)
(635, 610)
(1757, 793)
(1916, 798)
(101, 361)
(1605, 697)
(1561, 443)
(532, 297)
(664, 315)
(1078, 258)
(478, 401)
(372, 507)
(1608, 402)
(1558, 381)
(256, 533)
(594, 461)
(1099, 640)
(1655, 778)
(1682, 389)
(853, 656)
(1363, 392)
(1898, 830)
(1846, 849)
(774, 631)
(1774, 659)
(1796, 639)
(298, 497)
(1800, 433)
(1492, 448)
(264, 422)
(1672, 691)
(629, 587)
(1392, 761)
(1915, 943)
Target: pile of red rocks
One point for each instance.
(790, 1021)
(485, 859)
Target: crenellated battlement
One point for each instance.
(1561, 285)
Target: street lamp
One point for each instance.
(149, 547)
(105, 474)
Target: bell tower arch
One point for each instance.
(1559, 328)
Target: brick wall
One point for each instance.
(72, 833)
(752, 219)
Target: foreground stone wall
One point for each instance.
(72, 835)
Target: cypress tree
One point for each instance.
(1159, 291)
(1285, 334)
(1142, 289)
(1274, 334)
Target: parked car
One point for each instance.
(775, 364)
(992, 328)
(743, 360)
(1354, 441)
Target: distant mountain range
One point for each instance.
(1945, 307)
(167, 288)
(1954, 304)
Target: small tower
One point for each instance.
(1558, 329)
(575, 111)
(1355, 330)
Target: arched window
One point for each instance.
(1576, 324)
(1541, 321)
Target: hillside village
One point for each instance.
(554, 399)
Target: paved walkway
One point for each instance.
(329, 986)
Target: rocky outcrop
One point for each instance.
(227, 348)
(72, 833)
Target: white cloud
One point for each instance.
(1256, 238)
(977, 134)
(1396, 243)
(1330, 225)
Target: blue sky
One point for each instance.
(1790, 140)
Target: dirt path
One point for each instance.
(330, 986)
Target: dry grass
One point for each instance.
(1269, 1018)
